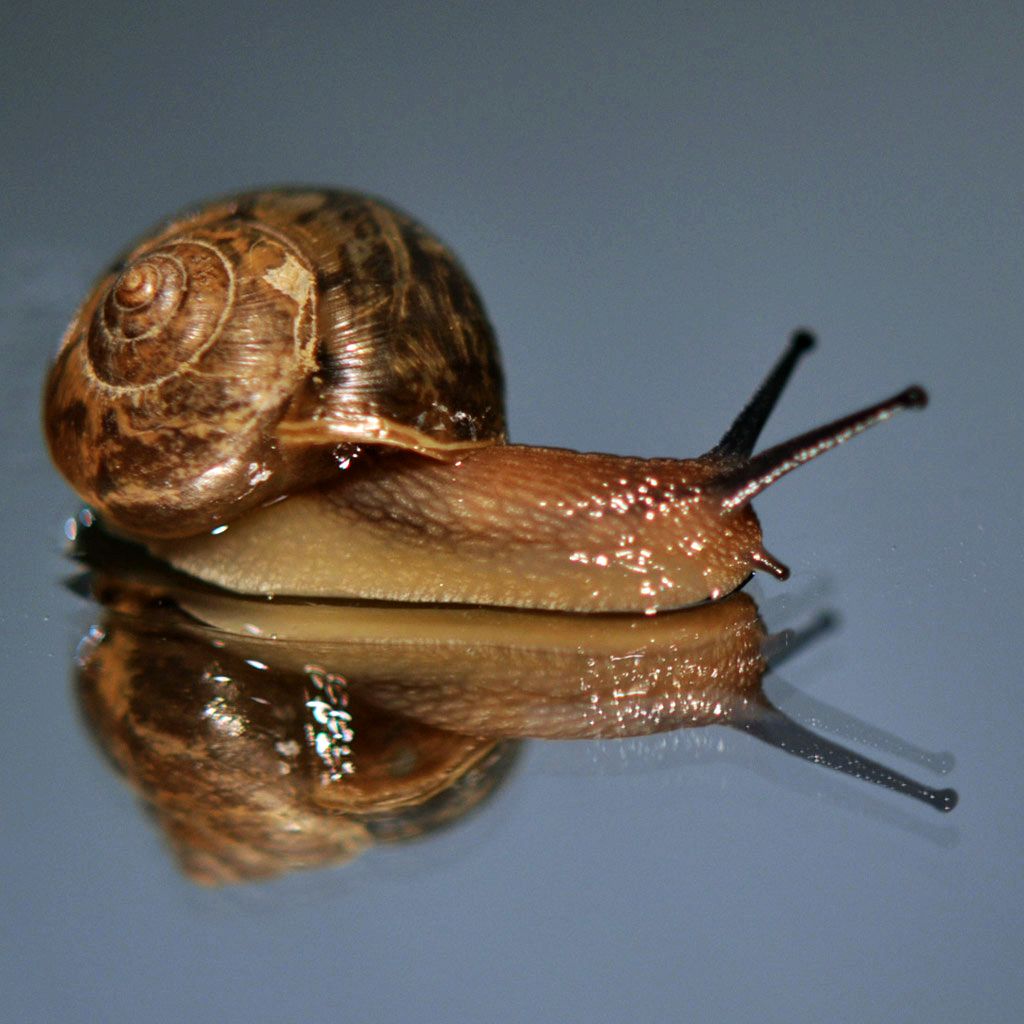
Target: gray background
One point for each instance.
(649, 200)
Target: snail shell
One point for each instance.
(236, 354)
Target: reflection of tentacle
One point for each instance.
(819, 715)
(781, 646)
(683, 758)
(768, 723)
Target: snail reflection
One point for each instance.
(271, 736)
(252, 772)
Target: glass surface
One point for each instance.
(649, 202)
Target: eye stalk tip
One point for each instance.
(803, 340)
(914, 397)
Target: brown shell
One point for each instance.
(247, 348)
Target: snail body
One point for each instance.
(510, 525)
(323, 348)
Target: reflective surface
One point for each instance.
(648, 206)
(275, 736)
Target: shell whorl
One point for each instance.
(166, 308)
(223, 362)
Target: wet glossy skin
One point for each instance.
(509, 525)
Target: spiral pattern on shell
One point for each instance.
(182, 292)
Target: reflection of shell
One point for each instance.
(232, 758)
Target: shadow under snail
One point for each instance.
(321, 346)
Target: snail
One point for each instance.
(324, 348)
